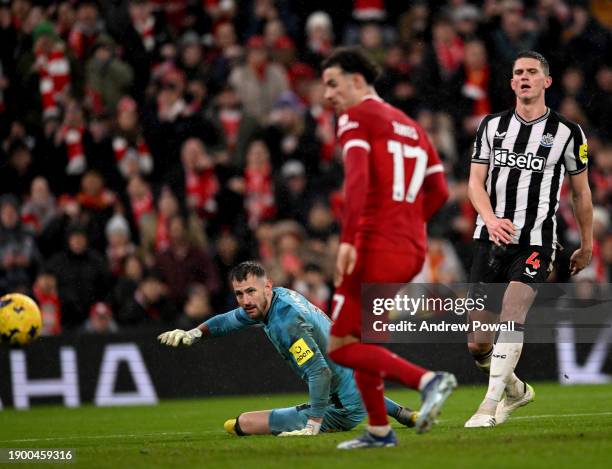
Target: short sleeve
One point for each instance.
(576, 155)
(352, 132)
(482, 148)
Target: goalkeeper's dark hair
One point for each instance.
(531, 54)
(240, 272)
(353, 60)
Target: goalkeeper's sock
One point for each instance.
(372, 391)
(393, 408)
(506, 354)
(237, 428)
(377, 360)
(514, 386)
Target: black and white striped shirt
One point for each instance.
(527, 162)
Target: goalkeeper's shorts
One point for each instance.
(334, 420)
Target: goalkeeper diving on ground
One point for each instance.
(299, 331)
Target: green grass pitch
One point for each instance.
(567, 426)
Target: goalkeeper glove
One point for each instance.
(178, 336)
(312, 428)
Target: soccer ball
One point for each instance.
(20, 320)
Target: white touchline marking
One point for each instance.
(544, 416)
(591, 414)
(100, 437)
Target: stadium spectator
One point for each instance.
(319, 38)
(183, 263)
(82, 276)
(40, 208)
(149, 304)
(107, 78)
(100, 320)
(19, 255)
(286, 137)
(18, 171)
(197, 308)
(133, 272)
(259, 82)
(313, 286)
(238, 127)
(258, 184)
(45, 294)
(119, 245)
(86, 30)
(292, 194)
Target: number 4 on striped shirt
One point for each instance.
(533, 260)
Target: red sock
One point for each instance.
(377, 360)
(372, 391)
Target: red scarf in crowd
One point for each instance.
(230, 124)
(479, 79)
(326, 132)
(54, 77)
(51, 312)
(450, 56)
(124, 151)
(142, 206)
(259, 199)
(201, 188)
(146, 30)
(73, 139)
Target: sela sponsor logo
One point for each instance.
(404, 130)
(500, 134)
(506, 158)
(547, 140)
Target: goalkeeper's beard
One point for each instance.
(255, 312)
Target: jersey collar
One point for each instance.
(535, 121)
(375, 97)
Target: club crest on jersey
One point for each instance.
(547, 140)
(508, 159)
(345, 124)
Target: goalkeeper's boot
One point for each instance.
(230, 426)
(510, 403)
(367, 440)
(434, 395)
(407, 417)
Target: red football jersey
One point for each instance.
(400, 157)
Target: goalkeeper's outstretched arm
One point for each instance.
(216, 326)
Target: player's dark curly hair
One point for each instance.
(353, 60)
(531, 54)
(240, 272)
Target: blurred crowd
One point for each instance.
(147, 146)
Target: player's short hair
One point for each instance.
(531, 54)
(240, 272)
(353, 60)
